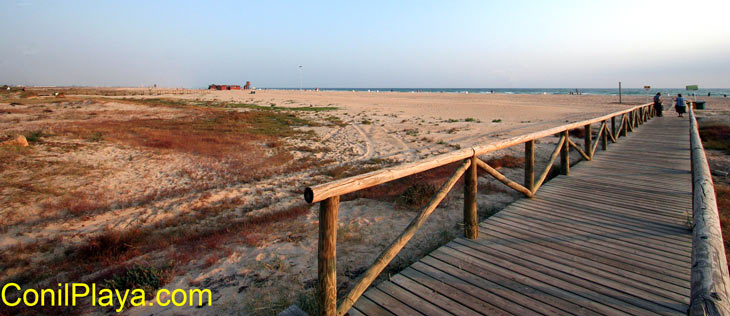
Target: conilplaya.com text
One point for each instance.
(72, 294)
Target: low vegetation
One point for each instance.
(222, 147)
(507, 161)
(416, 196)
(716, 136)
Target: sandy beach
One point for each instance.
(230, 216)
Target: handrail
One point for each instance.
(709, 293)
(348, 185)
(329, 194)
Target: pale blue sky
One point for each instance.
(471, 44)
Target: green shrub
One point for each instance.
(96, 137)
(138, 277)
(34, 136)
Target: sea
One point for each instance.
(714, 92)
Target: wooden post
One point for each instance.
(565, 155)
(588, 140)
(471, 225)
(613, 126)
(364, 280)
(629, 123)
(530, 165)
(326, 256)
(624, 126)
(604, 137)
(643, 115)
(619, 92)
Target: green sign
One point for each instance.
(693, 87)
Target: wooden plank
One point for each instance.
(647, 242)
(410, 299)
(389, 303)
(368, 307)
(292, 311)
(509, 239)
(588, 253)
(659, 217)
(668, 198)
(533, 290)
(583, 288)
(463, 297)
(433, 296)
(586, 225)
(532, 269)
(355, 312)
(618, 237)
(629, 185)
(671, 217)
(616, 218)
(532, 252)
(593, 246)
(582, 232)
(611, 208)
(670, 211)
(621, 215)
(502, 295)
(493, 294)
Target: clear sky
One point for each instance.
(470, 44)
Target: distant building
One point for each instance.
(224, 87)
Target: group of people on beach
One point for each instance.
(679, 104)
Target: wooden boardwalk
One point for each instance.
(610, 239)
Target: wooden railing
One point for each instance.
(329, 193)
(709, 281)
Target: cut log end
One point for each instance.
(308, 195)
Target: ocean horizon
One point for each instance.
(586, 91)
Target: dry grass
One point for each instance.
(349, 170)
(391, 191)
(577, 132)
(225, 147)
(208, 133)
(416, 196)
(168, 247)
(506, 161)
(224, 141)
(716, 136)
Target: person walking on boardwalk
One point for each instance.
(680, 106)
(658, 108)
